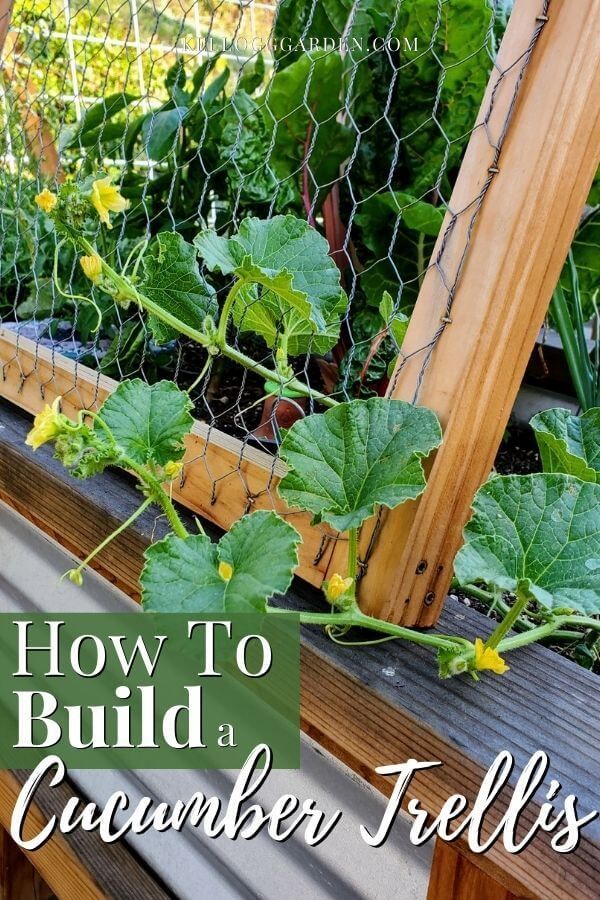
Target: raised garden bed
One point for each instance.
(375, 705)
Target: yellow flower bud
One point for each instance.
(337, 586)
(76, 576)
(225, 570)
(46, 200)
(173, 469)
(92, 267)
(105, 198)
(488, 658)
(46, 426)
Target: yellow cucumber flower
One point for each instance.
(488, 658)
(106, 198)
(225, 570)
(173, 469)
(46, 426)
(337, 586)
(46, 200)
(92, 267)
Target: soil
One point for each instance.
(232, 402)
(233, 399)
(518, 454)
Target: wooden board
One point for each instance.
(455, 876)
(510, 259)
(5, 10)
(80, 866)
(19, 880)
(222, 478)
(373, 706)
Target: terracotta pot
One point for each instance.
(279, 412)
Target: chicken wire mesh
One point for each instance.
(353, 115)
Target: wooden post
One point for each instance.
(5, 11)
(18, 878)
(454, 877)
(510, 265)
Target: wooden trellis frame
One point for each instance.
(515, 253)
(519, 243)
(509, 259)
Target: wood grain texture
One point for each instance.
(19, 880)
(517, 248)
(222, 478)
(80, 866)
(456, 877)
(5, 11)
(374, 706)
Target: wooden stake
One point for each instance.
(513, 260)
(5, 11)
(455, 877)
(18, 878)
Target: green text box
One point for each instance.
(87, 699)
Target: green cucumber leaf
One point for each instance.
(355, 456)
(267, 317)
(537, 532)
(182, 575)
(569, 444)
(173, 281)
(148, 422)
(290, 261)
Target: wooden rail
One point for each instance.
(373, 706)
(78, 867)
(222, 477)
(5, 10)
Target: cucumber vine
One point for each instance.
(537, 537)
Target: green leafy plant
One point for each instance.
(570, 309)
(538, 537)
(568, 443)
(528, 535)
(369, 453)
(166, 283)
(279, 293)
(142, 429)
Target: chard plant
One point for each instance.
(537, 537)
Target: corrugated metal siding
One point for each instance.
(192, 865)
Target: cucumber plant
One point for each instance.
(538, 537)
(535, 536)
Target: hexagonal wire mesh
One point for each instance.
(353, 115)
